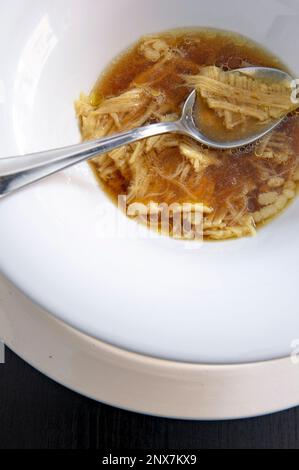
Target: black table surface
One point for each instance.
(37, 413)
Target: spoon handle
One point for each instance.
(18, 172)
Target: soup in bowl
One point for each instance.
(171, 182)
(66, 244)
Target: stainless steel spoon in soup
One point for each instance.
(18, 172)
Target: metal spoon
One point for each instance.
(18, 172)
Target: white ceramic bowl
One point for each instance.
(227, 302)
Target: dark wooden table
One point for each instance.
(36, 413)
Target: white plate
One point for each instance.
(138, 383)
(221, 303)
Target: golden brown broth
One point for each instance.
(198, 48)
